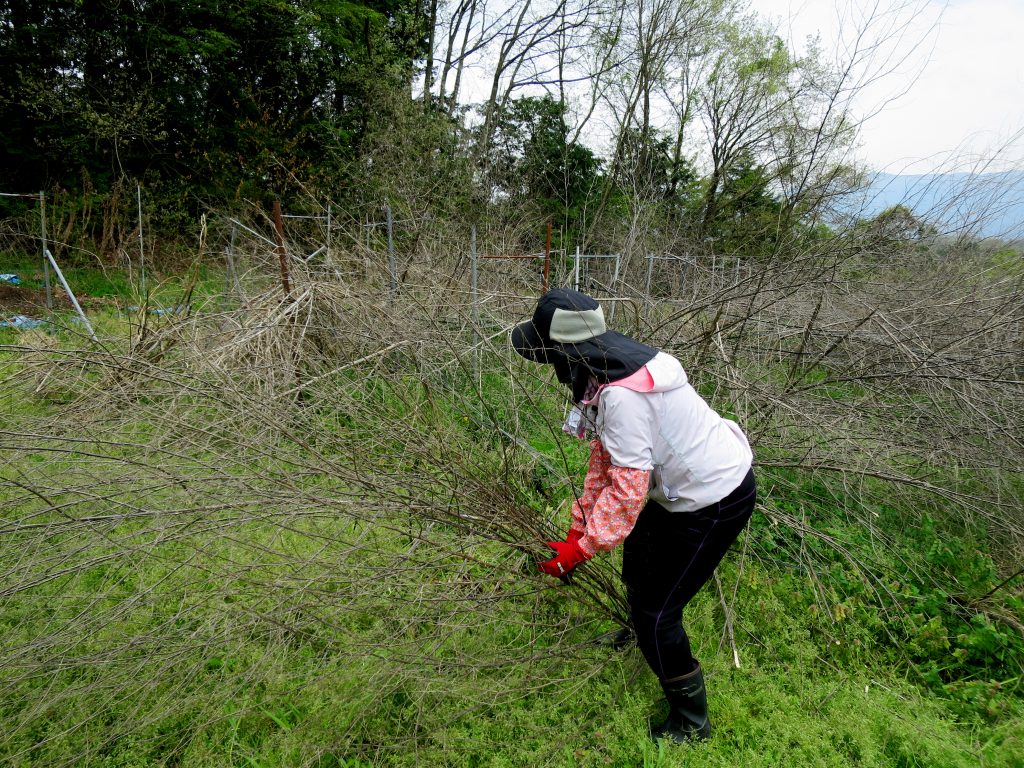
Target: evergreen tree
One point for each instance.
(206, 92)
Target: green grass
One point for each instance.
(114, 285)
(271, 700)
(813, 689)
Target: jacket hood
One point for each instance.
(666, 372)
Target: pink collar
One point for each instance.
(640, 381)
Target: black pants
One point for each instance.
(666, 559)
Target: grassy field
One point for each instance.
(302, 534)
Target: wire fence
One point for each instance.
(392, 252)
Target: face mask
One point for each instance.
(563, 371)
(574, 374)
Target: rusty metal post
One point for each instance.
(279, 227)
(547, 258)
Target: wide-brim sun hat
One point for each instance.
(563, 316)
(568, 330)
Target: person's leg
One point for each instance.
(667, 558)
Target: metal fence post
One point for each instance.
(615, 280)
(328, 233)
(392, 264)
(576, 271)
(46, 264)
(473, 274)
(231, 279)
(142, 245)
(367, 251)
(476, 306)
(547, 258)
(71, 294)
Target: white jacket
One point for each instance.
(697, 457)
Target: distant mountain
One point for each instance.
(988, 205)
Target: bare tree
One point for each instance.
(743, 101)
(658, 49)
(521, 45)
(812, 154)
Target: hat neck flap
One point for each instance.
(608, 357)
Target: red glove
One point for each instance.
(573, 536)
(568, 556)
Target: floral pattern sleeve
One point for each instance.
(611, 502)
(596, 481)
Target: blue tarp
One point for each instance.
(11, 278)
(179, 309)
(21, 322)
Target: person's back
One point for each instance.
(696, 456)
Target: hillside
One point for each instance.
(984, 205)
(301, 531)
(274, 484)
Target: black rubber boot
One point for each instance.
(618, 640)
(687, 709)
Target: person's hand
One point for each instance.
(567, 556)
(573, 536)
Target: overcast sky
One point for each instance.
(964, 84)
